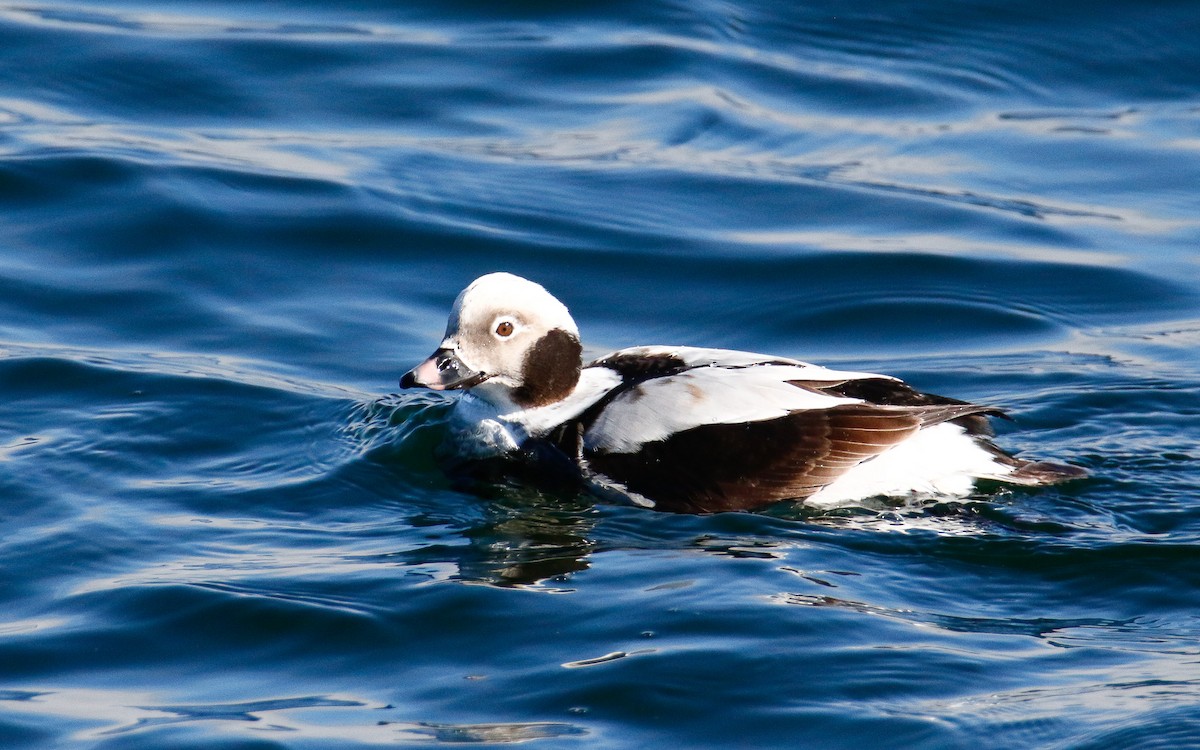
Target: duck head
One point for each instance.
(509, 341)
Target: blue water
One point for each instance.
(227, 228)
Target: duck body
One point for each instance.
(689, 429)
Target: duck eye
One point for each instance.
(504, 328)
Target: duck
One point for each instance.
(689, 429)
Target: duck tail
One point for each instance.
(1034, 473)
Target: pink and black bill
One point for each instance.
(443, 371)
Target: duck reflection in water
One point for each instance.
(526, 538)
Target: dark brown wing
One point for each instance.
(637, 367)
(888, 392)
(718, 467)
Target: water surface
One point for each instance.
(226, 229)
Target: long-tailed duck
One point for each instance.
(688, 429)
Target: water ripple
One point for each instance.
(229, 229)
(99, 20)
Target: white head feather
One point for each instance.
(495, 323)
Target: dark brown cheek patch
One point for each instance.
(550, 370)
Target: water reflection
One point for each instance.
(337, 718)
(526, 538)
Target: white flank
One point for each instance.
(940, 460)
(661, 407)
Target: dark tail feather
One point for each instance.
(1033, 473)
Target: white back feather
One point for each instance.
(661, 407)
